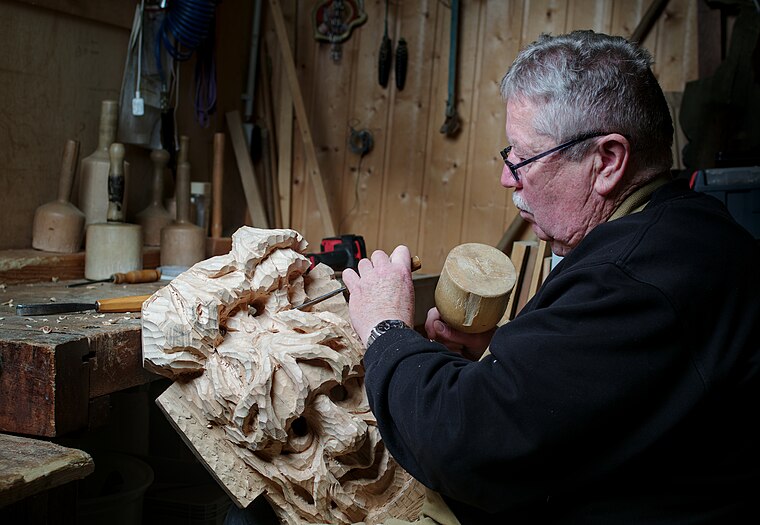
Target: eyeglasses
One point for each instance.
(514, 167)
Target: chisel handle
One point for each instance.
(416, 263)
(137, 276)
(132, 303)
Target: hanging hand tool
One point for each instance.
(384, 56)
(416, 265)
(450, 126)
(402, 57)
(118, 304)
(133, 277)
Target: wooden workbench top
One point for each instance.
(29, 466)
(53, 368)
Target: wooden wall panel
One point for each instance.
(446, 162)
(487, 203)
(418, 187)
(361, 201)
(415, 187)
(404, 159)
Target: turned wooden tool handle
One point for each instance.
(216, 188)
(68, 168)
(416, 263)
(131, 303)
(137, 276)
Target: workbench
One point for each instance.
(57, 371)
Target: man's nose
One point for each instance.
(507, 180)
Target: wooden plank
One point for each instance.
(519, 257)
(543, 16)
(31, 466)
(306, 56)
(486, 202)
(245, 168)
(370, 106)
(445, 166)
(676, 57)
(119, 14)
(589, 14)
(527, 277)
(282, 101)
(330, 113)
(536, 277)
(31, 266)
(300, 110)
(408, 113)
(679, 139)
(270, 149)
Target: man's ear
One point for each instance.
(612, 154)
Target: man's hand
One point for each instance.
(381, 290)
(470, 346)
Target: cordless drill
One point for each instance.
(340, 252)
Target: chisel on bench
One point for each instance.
(132, 303)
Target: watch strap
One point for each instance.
(384, 326)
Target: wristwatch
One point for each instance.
(383, 326)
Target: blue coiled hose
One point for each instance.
(187, 26)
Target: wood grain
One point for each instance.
(31, 466)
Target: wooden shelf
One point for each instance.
(35, 266)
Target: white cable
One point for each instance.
(138, 104)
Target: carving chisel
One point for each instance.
(133, 277)
(131, 303)
(416, 265)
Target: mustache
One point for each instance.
(519, 202)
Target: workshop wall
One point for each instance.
(415, 186)
(418, 187)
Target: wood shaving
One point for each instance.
(46, 329)
(54, 279)
(53, 299)
(9, 302)
(2, 287)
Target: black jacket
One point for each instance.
(626, 391)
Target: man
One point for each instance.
(626, 390)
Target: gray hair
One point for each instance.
(584, 82)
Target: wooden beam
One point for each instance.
(303, 122)
(247, 173)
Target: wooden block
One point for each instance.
(30, 466)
